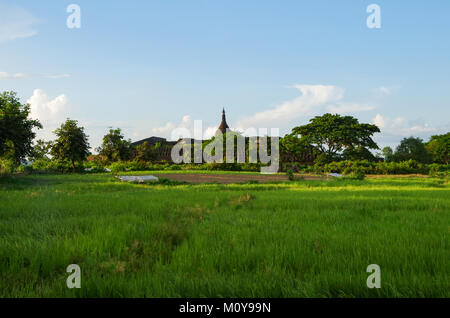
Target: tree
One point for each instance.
(358, 153)
(411, 148)
(71, 144)
(439, 148)
(332, 134)
(16, 129)
(146, 152)
(115, 147)
(388, 154)
(295, 149)
(40, 150)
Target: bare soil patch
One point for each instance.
(228, 178)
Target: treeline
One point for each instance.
(328, 143)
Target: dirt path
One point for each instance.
(226, 178)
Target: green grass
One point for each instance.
(299, 239)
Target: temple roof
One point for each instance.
(223, 125)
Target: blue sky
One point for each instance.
(151, 66)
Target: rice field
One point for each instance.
(308, 238)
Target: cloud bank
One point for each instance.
(51, 112)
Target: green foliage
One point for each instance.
(439, 148)
(356, 174)
(16, 129)
(294, 148)
(115, 147)
(332, 134)
(358, 153)
(6, 167)
(118, 167)
(369, 167)
(71, 144)
(41, 150)
(411, 149)
(98, 160)
(55, 166)
(290, 174)
(297, 239)
(146, 152)
(387, 154)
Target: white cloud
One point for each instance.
(386, 90)
(6, 75)
(51, 112)
(56, 76)
(165, 130)
(400, 127)
(311, 97)
(44, 108)
(16, 23)
(186, 125)
(342, 108)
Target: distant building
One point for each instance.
(151, 141)
(223, 125)
(165, 147)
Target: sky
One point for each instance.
(149, 67)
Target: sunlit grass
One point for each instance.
(287, 239)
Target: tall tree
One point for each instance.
(332, 134)
(16, 129)
(411, 149)
(115, 147)
(439, 148)
(388, 154)
(71, 143)
(295, 149)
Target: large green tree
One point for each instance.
(115, 147)
(439, 148)
(411, 149)
(71, 143)
(16, 129)
(332, 134)
(295, 149)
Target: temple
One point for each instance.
(223, 125)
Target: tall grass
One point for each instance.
(299, 239)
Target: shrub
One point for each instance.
(6, 167)
(117, 167)
(358, 175)
(27, 169)
(135, 166)
(290, 174)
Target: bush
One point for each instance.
(118, 167)
(290, 174)
(134, 166)
(358, 175)
(6, 167)
(27, 169)
(55, 166)
(174, 167)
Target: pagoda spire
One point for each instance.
(223, 125)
